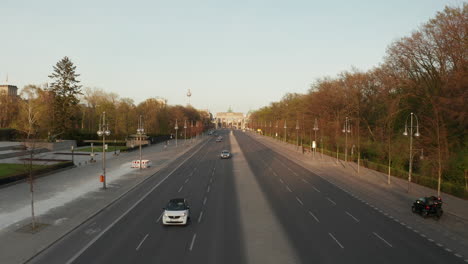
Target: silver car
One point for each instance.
(225, 154)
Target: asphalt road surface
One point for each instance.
(322, 223)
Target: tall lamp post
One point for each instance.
(270, 128)
(297, 133)
(346, 130)
(176, 129)
(285, 132)
(185, 131)
(411, 133)
(191, 130)
(276, 129)
(103, 132)
(140, 133)
(316, 128)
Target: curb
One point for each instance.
(38, 252)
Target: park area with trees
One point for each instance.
(425, 73)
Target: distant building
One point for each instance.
(9, 90)
(161, 100)
(230, 119)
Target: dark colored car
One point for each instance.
(428, 206)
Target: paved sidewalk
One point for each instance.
(451, 231)
(67, 198)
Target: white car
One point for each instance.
(176, 212)
(225, 154)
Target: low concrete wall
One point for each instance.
(53, 146)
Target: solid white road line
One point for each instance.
(193, 241)
(390, 245)
(299, 200)
(181, 187)
(316, 219)
(339, 244)
(141, 243)
(199, 217)
(204, 201)
(287, 187)
(90, 243)
(331, 201)
(159, 218)
(355, 219)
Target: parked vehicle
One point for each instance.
(428, 206)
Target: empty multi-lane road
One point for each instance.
(258, 207)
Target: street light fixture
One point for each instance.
(103, 132)
(411, 126)
(346, 130)
(140, 133)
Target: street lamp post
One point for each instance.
(176, 129)
(72, 152)
(411, 126)
(191, 130)
(316, 128)
(346, 130)
(270, 128)
(285, 132)
(92, 153)
(276, 130)
(140, 133)
(103, 132)
(297, 133)
(185, 131)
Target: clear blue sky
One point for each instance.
(240, 53)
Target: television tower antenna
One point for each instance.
(189, 94)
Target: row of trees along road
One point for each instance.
(425, 73)
(67, 110)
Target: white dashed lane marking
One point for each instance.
(355, 219)
(159, 218)
(200, 217)
(181, 187)
(193, 241)
(141, 243)
(316, 219)
(331, 201)
(299, 200)
(336, 240)
(385, 241)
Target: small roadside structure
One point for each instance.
(144, 164)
